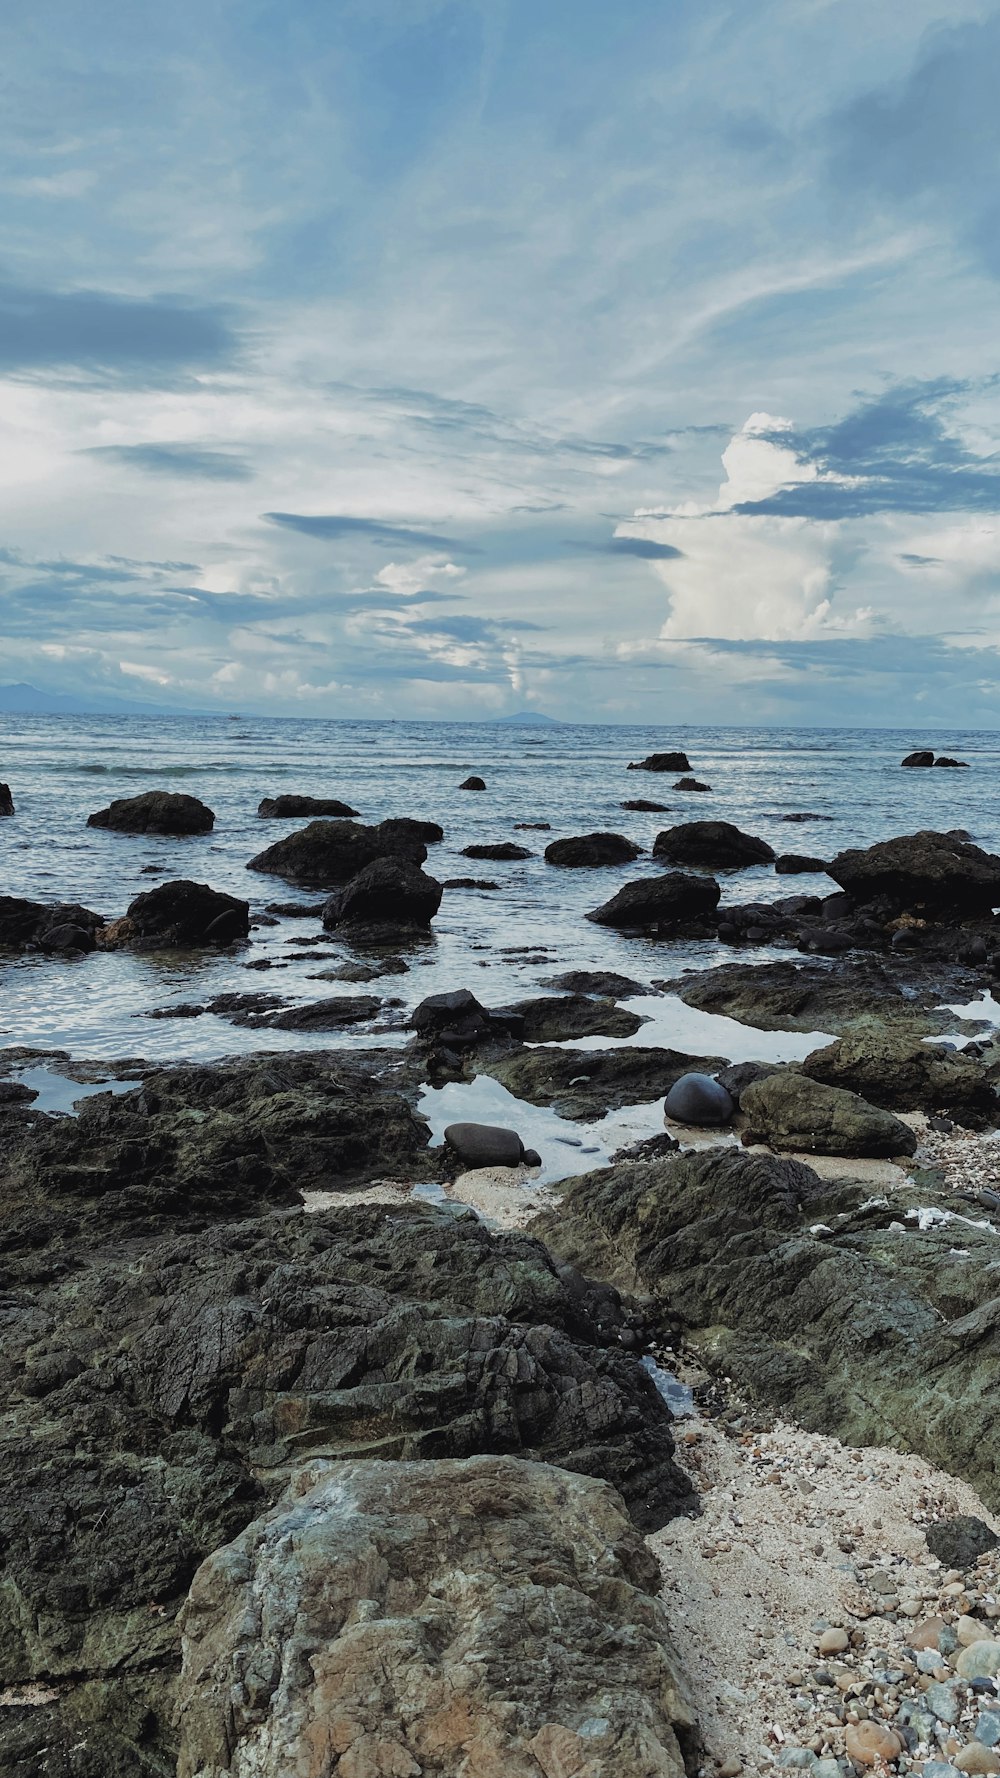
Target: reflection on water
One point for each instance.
(57, 1093)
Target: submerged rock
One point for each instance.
(691, 784)
(788, 996)
(445, 1672)
(790, 864)
(6, 801)
(715, 844)
(473, 783)
(391, 893)
(698, 1099)
(662, 762)
(500, 850)
(788, 1110)
(552, 1018)
(327, 853)
(931, 872)
(642, 807)
(155, 811)
(655, 901)
(588, 1083)
(590, 850)
(922, 757)
(185, 913)
(37, 925)
(287, 807)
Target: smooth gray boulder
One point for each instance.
(698, 1099)
(486, 1145)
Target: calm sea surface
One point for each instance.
(501, 943)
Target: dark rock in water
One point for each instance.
(14, 1092)
(184, 1009)
(921, 758)
(691, 784)
(68, 939)
(662, 762)
(485, 1145)
(805, 815)
(469, 883)
(655, 901)
(363, 972)
(961, 765)
(587, 1083)
(327, 853)
(592, 849)
(346, 1531)
(6, 801)
(155, 811)
(532, 827)
(502, 851)
(716, 844)
(158, 1396)
(280, 808)
(605, 982)
(29, 924)
(332, 1014)
(559, 1018)
(389, 892)
(898, 1071)
(460, 1021)
(646, 808)
(698, 1099)
(790, 1111)
(792, 864)
(295, 910)
(473, 784)
(411, 832)
(789, 996)
(959, 1542)
(740, 1075)
(184, 913)
(931, 872)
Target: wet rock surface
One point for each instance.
(499, 850)
(587, 1083)
(553, 1018)
(155, 811)
(662, 762)
(716, 844)
(557, 1654)
(659, 901)
(327, 853)
(588, 851)
(36, 925)
(182, 914)
(697, 1098)
(817, 996)
(288, 807)
(389, 894)
(6, 801)
(931, 872)
(788, 1110)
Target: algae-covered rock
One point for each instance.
(896, 1070)
(788, 1110)
(587, 1083)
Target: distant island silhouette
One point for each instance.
(532, 716)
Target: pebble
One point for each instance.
(943, 1701)
(730, 1768)
(869, 1742)
(927, 1634)
(979, 1660)
(974, 1757)
(968, 1630)
(833, 1642)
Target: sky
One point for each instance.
(632, 363)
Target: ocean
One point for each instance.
(503, 943)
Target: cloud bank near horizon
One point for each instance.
(423, 359)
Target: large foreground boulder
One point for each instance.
(39, 926)
(509, 1625)
(898, 1071)
(656, 901)
(281, 808)
(327, 853)
(391, 893)
(788, 1110)
(929, 873)
(186, 913)
(718, 845)
(589, 850)
(155, 811)
(661, 762)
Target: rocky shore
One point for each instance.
(336, 1443)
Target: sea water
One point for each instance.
(503, 943)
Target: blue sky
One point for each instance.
(391, 357)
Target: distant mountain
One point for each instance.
(533, 716)
(28, 700)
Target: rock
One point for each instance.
(588, 1083)
(927, 872)
(390, 893)
(283, 808)
(698, 1099)
(981, 1660)
(460, 1021)
(923, 757)
(955, 764)
(36, 925)
(185, 913)
(896, 1070)
(332, 1014)
(833, 1642)
(155, 811)
(295, 910)
(559, 1018)
(435, 1670)
(741, 1075)
(662, 762)
(871, 1743)
(968, 1629)
(503, 850)
(6, 801)
(642, 807)
(691, 784)
(469, 883)
(590, 850)
(789, 996)
(974, 1757)
(473, 784)
(927, 1634)
(959, 1542)
(659, 901)
(942, 1701)
(790, 1111)
(327, 853)
(715, 844)
(791, 864)
(533, 826)
(485, 1145)
(605, 982)
(411, 832)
